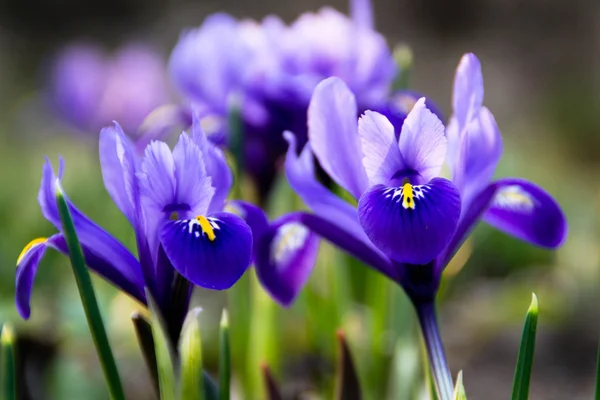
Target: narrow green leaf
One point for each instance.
(347, 385)
(166, 359)
(7, 368)
(224, 358)
(525, 359)
(597, 396)
(190, 353)
(88, 299)
(459, 389)
(143, 331)
(404, 60)
(271, 388)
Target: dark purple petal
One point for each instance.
(193, 187)
(211, 252)
(338, 235)
(467, 95)
(422, 142)
(27, 265)
(100, 262)
(284, 258)
(382, 158)
(119, 164)
(253, 215)
(91, 236)
(526, 211)
(333, 134)
(216, 167)
(411, 224)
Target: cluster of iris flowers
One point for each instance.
(316, 97)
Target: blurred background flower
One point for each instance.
(89, 88)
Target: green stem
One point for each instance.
(435, 350)
(88, 299)
(597, 396)
(224, 358)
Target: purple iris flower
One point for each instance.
(89, 88)
(174, 201)
(285, 250)
(270, 71)
(408, 221)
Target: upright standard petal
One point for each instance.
(157, 191)
(193, 185)
(422, 142)
(526, 211)
(332, 131)
(285, 256)
(382, 158)
(118, 163)
(484, 149)
(212, 252)
(216, 166)
(467, 95)
(411, 224)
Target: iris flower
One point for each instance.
(269, 70)
(409, 221)
(174, 201)
(89, 88)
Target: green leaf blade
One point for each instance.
(88, 299)
(166, 359)
(526, 351)
(190, 353)
(224, 358)
(459, 388)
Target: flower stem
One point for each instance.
(435, 349)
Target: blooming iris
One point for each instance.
(173, 200)
(89, 89)
(407, 215)
(271, 70)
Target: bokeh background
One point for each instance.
(541, 65)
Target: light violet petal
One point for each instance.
(467, 95)
(422, 142)
(382, 158)
(193, 185)
(333, 134)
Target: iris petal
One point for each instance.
(90, 235)
(332, 130)
(100, 262)
(211, 252)
(526, 211)
(411, 224)
(285, 257)
(117, 159)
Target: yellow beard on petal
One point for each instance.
(409, 199)
(34, 242)
(206, 227)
